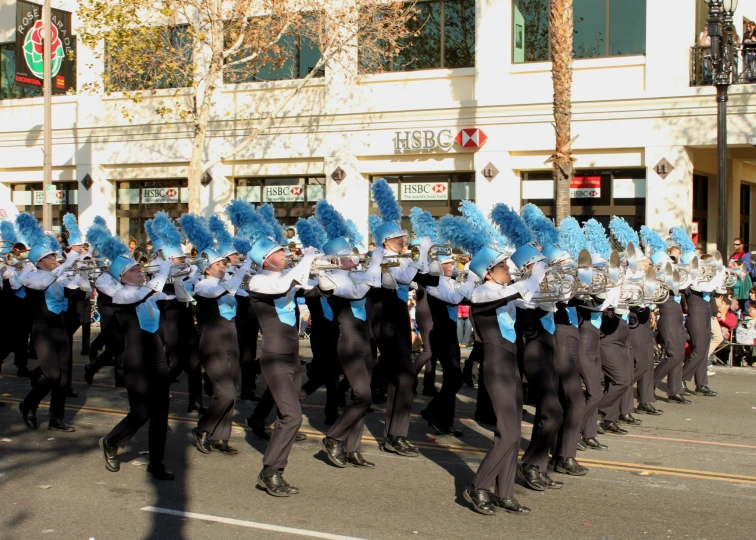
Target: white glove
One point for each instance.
(425, 244)
(310, 251)
(435, 269)
(376, 258)
(72, 257)
(163, 265)
(472, 276)
(539, 271)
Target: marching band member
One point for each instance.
(566, 338)
(47, 298)
(495, 318)
(669, 325)
(15, 312)
(698, 321)
(218, 343)
(272, 292)
(146, 369)
(177, 328)
(394, 340)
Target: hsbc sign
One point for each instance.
(428, 140)
(160, 195)
(284, 194)
(425, 191)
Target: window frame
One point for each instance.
(26, 90)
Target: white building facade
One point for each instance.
(441, 134)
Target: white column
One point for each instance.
(218, 193)
(669, 201)
(493, 50)
(351, 196)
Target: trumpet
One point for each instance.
(733, 275)
(326, 264)
(556, 286)
(13, 258)
(634, 293)
(612, 270)
(708, 268)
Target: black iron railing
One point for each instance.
(702, 69)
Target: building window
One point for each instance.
(141, 69)
(700, 208)
(293, 197)
(745, 213)
(64, 198)
(444, 37)
(439, 194)
(8, 88)
(602, 28)
(138, 200)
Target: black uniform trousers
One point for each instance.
(356, 360)
(535, 348)
(589, 365)
(642, 345)
(424, 319)
(374, 308)
(569, 388)
(616, 359)
(146, 374)
(179, 335)
(671, 331)
(283, 375)
(78, 315)
(698, 323)
(53, 350)
(111, 337)
(247, 329)
(16, 323)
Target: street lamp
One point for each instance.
(721, 32)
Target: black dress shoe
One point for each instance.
(686, 391)
(203, 441)
(481, 501)
(224, 448)
(331, 419)
(29, 416)
(679, 398)
(88, 374)
(486, 419)
(356, 460)
(159, 472)
(258, 427)
(630, 420)
(93, 354)
(60, 425)
(379, 398)
(549, 482)
(581, 445)
(249, 396)
(271, 480)
(468, 380)
(23, 371)
(334, 451)
(110, 453)
(648, 408)
(85, 351)
(510, 505)
(600, 427)
(299, 437)
(34, 377)
(531, 476)
(614, 427)
(594, 444)
(196, 406)
(705, 391)
(567, 466)
(70, 393)
(430, 391)
(399, 445)
(449, 430)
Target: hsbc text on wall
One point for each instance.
(160, 195)
(585, 187)
(425, 191)
(424, 140)
(284, 194)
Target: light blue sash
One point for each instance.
(506, 316)
(706, 296)
(358, 309)
(572, 315)
(227, 307)
(452, 310)
(327, 311)
(403, 292)
(547, 321)
(56, 298)
(21, 293)
(148, 315)
(677, 298)
(626, 317)
(285, 309)
(596, 319)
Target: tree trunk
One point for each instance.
(561, 28)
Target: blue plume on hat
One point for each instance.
(100, 222)
(52, 242)
(388, 206)
(72, 226)
(461, 233)
(542, 227)
(571, 237)
(165, 230)
(241, 245)
(219, 231)
(307, 234)
(332, 221)
(623, 233)
(106, 244)
(29, 229)
(268, 214)
(475, 216)
(249, 224)
(373, 223)
(681, 238)
(150, 230)
(653, 240)
(423, 223)
(354, 237)
(8, 232)
(197, 232)
(318, 229)
(595, 235)
(511, 225)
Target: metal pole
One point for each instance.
(47, 91)
(722, 169)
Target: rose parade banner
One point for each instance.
(30, 48)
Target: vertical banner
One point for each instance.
(30, 48)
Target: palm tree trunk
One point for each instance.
(561, 28)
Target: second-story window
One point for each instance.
(602, 28)
(8, 88)
(444, 37)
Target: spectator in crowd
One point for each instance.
(304, 317)
(726, 320)
(741, 257)
(745, 334)
(132, 244)
(749, 51)
(464, 326)
(149, 246)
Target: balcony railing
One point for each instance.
(702, 68)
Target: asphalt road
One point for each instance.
(687, 474)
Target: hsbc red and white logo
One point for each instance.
(471, 138)
(424, 191)
(275, 194)
(160, 195)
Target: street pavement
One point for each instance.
(688, 474)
